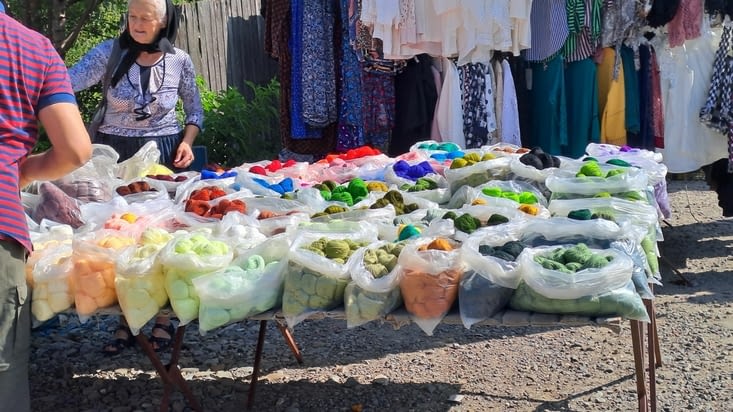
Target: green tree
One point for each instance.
(79, 25)
(67, 22)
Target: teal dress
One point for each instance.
(631, 90)
(581, 94)
(548, 110)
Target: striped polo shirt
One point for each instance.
(32, 76)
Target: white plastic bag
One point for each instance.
(429, 281)
(94, 259)
(136, 166)
(478, 173)
(499, 271)
(184, 258)
(559, 285)
(140, 282)
(314, 282)
(564, 182)
(368, 297)
(52, 287)
(251, 284)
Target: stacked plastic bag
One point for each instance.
(435, 230)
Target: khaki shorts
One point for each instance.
(15, 327)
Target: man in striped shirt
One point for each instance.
(34, 85)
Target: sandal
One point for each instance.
(117, 345)
(159, 343)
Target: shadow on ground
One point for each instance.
(232, 395)
(226, 395)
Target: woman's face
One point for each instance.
(143, 21)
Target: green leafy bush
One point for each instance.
(238, 129)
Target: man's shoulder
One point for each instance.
(14, 29)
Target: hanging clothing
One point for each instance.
(631, 91)
(383, 16)
(449, 113)
(490, 104)
(549, 29)
(434, 127)
(428, 31)
(662, 12)
(498, 82)
(619, 16)
(299, 128)
(510, 125)
(657, 106)
(350, 123)
(686, 72)
(318, 74)
(474, 104)
(277, 35)
(611, 101)
(548, 110)
(415, 100)
(584, 24)
(519, 13)
(686, 23)
(645, 138)
(715, 113)
(581, 95)
(408, 22)
(485, 27)
(378, 101)
(521, 74)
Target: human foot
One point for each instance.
(122, 339)
(161, 336)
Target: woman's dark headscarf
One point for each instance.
(164, 43)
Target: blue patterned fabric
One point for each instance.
(379, 108)
(318, 63)
(298, 127)
(473, 101)
(350, 128)
(645, 137)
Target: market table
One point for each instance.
(172, 378)
(511, 318)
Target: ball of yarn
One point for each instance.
(407, 231)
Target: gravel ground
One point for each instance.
(377, 368)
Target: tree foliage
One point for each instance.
(68, 22)
(238, 129)
(72, 25)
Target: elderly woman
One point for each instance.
(150, 78)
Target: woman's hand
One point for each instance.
(184, 156)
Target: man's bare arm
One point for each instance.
(71, 146)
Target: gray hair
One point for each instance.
(160, 7)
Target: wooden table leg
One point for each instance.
(291, 342)
(653, 316)
(653, 351)
(256, 366)
(170, 374)
(159, 368)
(638, 345)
